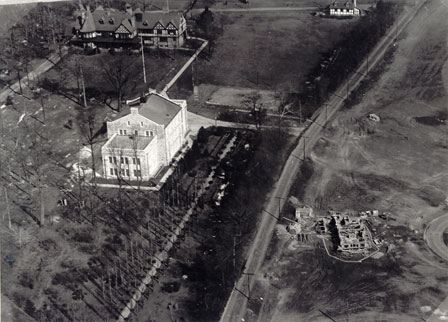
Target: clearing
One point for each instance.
(269, 50)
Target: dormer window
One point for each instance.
(145, 23)
(111, 21)
(101, 21)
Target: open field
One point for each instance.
(265, 3)
(269, 50)
(398, 165)
(10, 14)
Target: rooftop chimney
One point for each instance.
(139, 15)
(128, 9)
(134, 110)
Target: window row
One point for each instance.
(158, 32)
(141, 123)
(124, 160)
(124, 132)
(124, 172)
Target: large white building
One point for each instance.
(343, 9)
(144, 138)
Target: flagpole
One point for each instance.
(143, 59)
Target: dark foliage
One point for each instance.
(351, 51)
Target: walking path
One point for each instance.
(162, 255)
(42, 68)
(187, 64)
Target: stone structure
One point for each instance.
(144, 138)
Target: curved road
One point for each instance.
(433, 236)
(236, 306)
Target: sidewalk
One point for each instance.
(33, 75)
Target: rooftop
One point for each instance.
(157, 108)
(109, 20)
(342, 5)
(128, 142)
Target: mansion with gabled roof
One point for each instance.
(144, 138)
(117, 29)
(343, 9)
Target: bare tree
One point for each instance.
(90, 126)
(252, 102)
(117, 72)
(284, 107)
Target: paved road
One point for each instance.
(42, 68)
(434, 239)
(236, 305)
(434, 236)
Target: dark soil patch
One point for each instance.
(434, 120)
(171, 287)
(445, 237)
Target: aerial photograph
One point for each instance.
(224, 160)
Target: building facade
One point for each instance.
(145, 138)
(344, 9)
(115, 29)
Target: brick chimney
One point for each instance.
(128, 9)
(138, 15)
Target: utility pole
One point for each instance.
(234, 245)
(20, 83)
(42, 105)
(248, 284)
(7, 208)
(367, 64)
(304, 147)
(279, 206)
(327, 315)
(295, 156)
(396, 32)
(143, 59)
(42, 204)
(347, 86)
(83, 86)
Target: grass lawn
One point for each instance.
(269, 50)
(160, 67)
